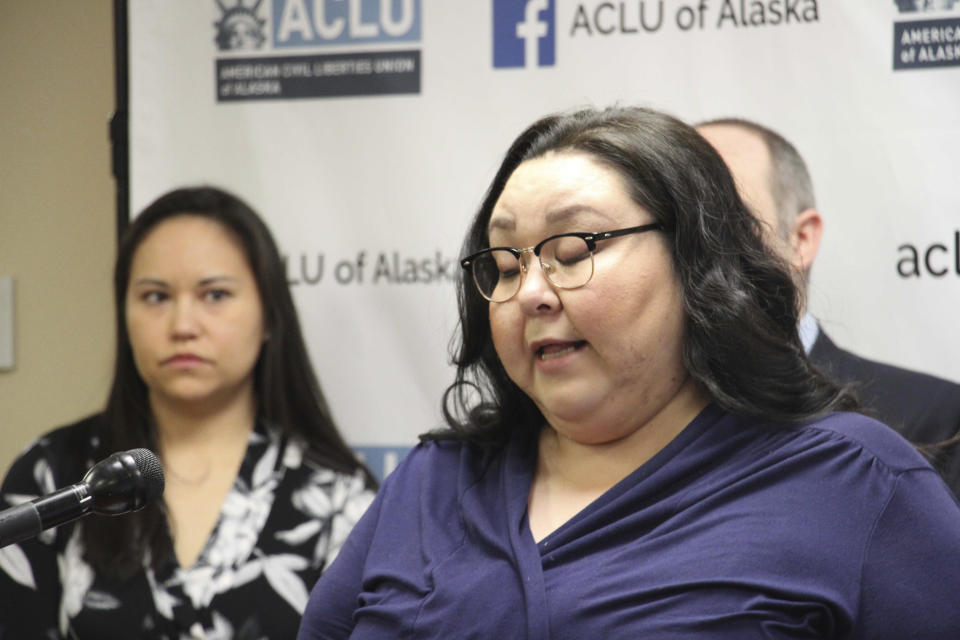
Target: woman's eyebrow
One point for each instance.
(157, 282)
(215, 279)
(564, 214)
(501, 222)
(149, 282)
(557, 216)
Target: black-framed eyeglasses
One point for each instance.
(566, 259)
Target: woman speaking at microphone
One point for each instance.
(212, 373)
(637, 444)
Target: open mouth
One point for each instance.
(549, 351)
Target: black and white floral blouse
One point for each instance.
(282, 522)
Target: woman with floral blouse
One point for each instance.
(211, 373)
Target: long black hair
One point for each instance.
(287, 394)
(741, 304)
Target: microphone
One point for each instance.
(124, 482)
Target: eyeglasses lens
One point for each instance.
(566, 261)
(497, 274)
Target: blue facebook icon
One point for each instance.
(523, 33)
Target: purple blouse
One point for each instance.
(737, 529)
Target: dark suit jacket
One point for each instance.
(923, 408)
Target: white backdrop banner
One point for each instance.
(366, 131)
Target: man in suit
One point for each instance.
(774, 182)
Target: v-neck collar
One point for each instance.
(521, 464)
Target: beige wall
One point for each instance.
(57, 211)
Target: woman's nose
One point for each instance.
(537, 294)
(184, 321)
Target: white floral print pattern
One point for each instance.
(282, 522)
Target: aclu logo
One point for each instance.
(240, 27)
(309, 23)
(524, 33)
(906, 6)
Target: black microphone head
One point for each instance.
(152, 472)
(125, 481)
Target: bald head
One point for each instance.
(773, 181)
(748, 158)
